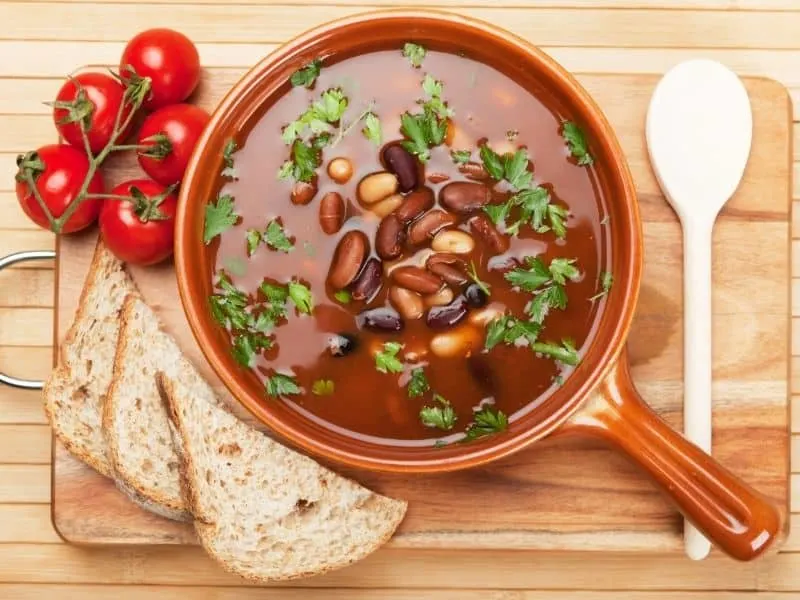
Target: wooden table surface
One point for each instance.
(41, 41)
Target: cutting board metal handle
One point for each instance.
(7, 261)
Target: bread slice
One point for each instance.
(135, 422)
(263, 511)
(76, 389)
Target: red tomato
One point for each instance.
(93, 96)
(169, 59)
(170, 135)
(59, 171)
(140, 230)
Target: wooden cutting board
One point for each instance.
(565, 494)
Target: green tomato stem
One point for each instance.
(35, 191)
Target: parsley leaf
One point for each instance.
(246, 345)
(219, 217)
(556, 214)
(564, 268)
(414, 53)
(253, 240)
(322, 387)
(498, 213)
(515, 168)
(275, 237)
(418, 384)
(343, 296)
(460, 157)
(301, 296)
(492, 162)
(576, 141)
(372, 128)
(276, 294)
(565, 353)
(510, 330)
(432, 87)
(282, 385)
(533, 205)
(472, 273)
(227, 156)
(531, 279)
(486, 421)
(426, 129)
(414, 127)
(553, 296)
(441, 416)
(228, 307)
(331, 106)
(305, 160)
(386, 360)
(307, 75)
(606, 281)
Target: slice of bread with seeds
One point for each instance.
(262, 510)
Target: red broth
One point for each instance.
(362, 401)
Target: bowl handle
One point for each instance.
(732, 515)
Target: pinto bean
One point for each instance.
(409, 304)
(390, 237)
(380, 319)
(303, 192)
(416, 203)
(428, 225)
(348, 257)
(461, 341)
(387, 205)
(482, 226)
(441, 298)
(377, 186)
(441, 317)
(401, 163)
(331, 212)
(464, 197)
(340, 169)
(453, 240)
(369, 281)
(417, 279)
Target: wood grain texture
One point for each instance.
(546, 492)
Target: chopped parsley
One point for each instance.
(576, 142)
(472, 273)
(343, 296)
(418, 384)
(546, 283)
(301, 297)
(282, 385)
(322, 387)
(307, 75)
(428, 128)
(441, 415)
(414, 53)
(510, 330)
(372, 128)
(486, 421)
(227, 156)
(273, 236)
(219, 217)
(564, 353)
(460, 157)
(386, 360)
(606, 281)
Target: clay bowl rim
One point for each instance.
(191, 270)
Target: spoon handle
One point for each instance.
(697, 354)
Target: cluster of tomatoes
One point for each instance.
(61, 186)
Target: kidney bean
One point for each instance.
(387, 205)
(341, 344)
(377, 186)
(417, 279)
(453, 240)
(369, 281)
(348, 257)
(464, 197)
(482, 225)
(475, 296)
(438, 177)
(416, 203)
(401, 163)
(380, 319)
(331, 212)
(441, 317)
(340, 169)
(449, 267)
(303, 192)
(408, 303)
(429, 224)
(441, 298)
(390, 237)
(474, 171)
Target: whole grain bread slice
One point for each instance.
(76, 389)
(262, 510)
(135, 422)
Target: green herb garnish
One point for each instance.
(414, 53)
(441, 416)
(606, 281)
(322, 387)
(343, 296)
(227, 156)
(219, 217)
(472, 273)
(301, 296)
(372, 128)
(460, 157)
(510, 330)
(547, 283)
(282, 385)
(576, 142)
(273, 236)
(247, 345)
(426, 129)
(486, 421)
(418, 384)
(307, 75)
(564, 353)
(386, 360)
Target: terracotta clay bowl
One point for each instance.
(597, 400)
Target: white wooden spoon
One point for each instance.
(699, 130)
